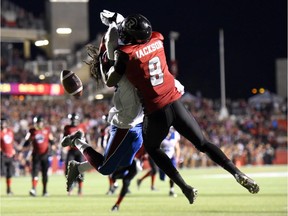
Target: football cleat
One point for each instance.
(10, 193)
(138, 183)
(45, 194)
(190, 193)
(72, 174)
(172, 194)
(247, 182)
(112, 189)
(115, 208)
(138, 165)
(68, 140)
(153, 188)
(32, 192)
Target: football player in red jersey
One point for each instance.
(125, 119)
(7, 153)
(41, 140)
(151, 172)
(73, 153)
(142, 60)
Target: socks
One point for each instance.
(81, 145)
(84, 166)
(220, 158)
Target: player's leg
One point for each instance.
(147, 174)
(9, 174)
(69, 157)
(6, 170)
(34, 173)
(113, 184)
(121, 149)
(127, 175)
(44, 170)
(75, 169)
(154, 170)
(187, 126)
(171, 183)
(79, 158)
(77, 140)
(155, 129)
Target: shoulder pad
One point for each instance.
(157, 35)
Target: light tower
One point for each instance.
(223, 111)
(173, 63)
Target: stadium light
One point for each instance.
(39, 43)
(64, 30)
(173, 36)
(42, 77)
(223, 111)
(99, 96)
(254, 91)
(261, 90)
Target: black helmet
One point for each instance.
(73, 116)
(135, 28)
(38, 119)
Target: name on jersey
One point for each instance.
(149, 49)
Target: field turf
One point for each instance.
(218, 194)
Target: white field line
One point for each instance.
(252, 175)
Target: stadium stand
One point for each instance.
(252, 135)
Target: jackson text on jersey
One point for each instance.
(148, 49)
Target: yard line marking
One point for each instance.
(262, 174)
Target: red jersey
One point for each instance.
(7, 142)
(40, 140)
(70, 129)
(148, 71)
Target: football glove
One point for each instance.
(111, 40)
(179, 87)
(107, 17)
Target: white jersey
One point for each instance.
(127, 111)
(168, 144)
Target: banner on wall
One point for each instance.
(31, 89)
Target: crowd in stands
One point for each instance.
(13, 16)
(12, 60)
(249, 138)
(12, 65)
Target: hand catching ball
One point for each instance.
(71, 83)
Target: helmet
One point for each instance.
(38, 119)
(74, 117)
(135, 28)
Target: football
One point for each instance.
(71, 83)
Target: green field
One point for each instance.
(218, 194)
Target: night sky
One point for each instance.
(255, 35)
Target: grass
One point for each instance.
(218, 194)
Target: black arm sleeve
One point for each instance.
(120, 62)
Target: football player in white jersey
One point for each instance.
(171, 146)
(126, 118)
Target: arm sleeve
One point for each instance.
(121, 59)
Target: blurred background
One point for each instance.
(231, 56)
